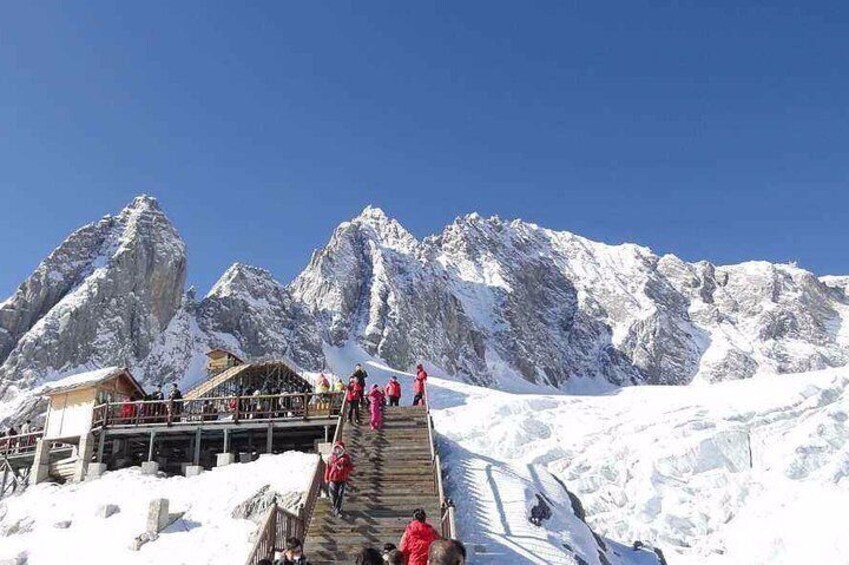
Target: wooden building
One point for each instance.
(220, 360)
(70, 415)
(270, 377)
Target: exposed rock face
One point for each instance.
(258, 312)
(496, 302)
(490, 299)
(101, 298)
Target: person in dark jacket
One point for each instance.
(294, 554)
(175, 402)
(419, 385)
(336, 473)
(354, 397)
(361, 376)
(417, 538)
(393, 391)
(446, 552)
(369, 556)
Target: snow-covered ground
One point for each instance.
(206, 533)
(750, 472)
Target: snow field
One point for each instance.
(205, 534)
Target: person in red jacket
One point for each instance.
(376, 401)
(354, 397)
(336, 473)
(393, 391)
(417, 539)
(419, 385)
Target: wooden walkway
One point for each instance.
(395, 474)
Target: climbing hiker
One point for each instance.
(393, 391)
(338, 385)
(361, 375)
(419, 385)
(377, 400)
(417, 538)
(446, 552)
(336, 473)
(354, 397)
(294, 554)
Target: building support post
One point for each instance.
(269, 440)
(101, 446)
(226, 441)
(196, 459)
(150, 447)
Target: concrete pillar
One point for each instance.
(157, 515)
(84, 453)
(95, 471)
(198, 437)
(149, 468)
(41, 464)
(223, 459)
(193, 470)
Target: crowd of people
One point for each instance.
(424, 550)
(15, 440)
(420, 544)
(377, 398)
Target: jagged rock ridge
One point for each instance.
(493, 301)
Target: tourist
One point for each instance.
(322, 388)
(336, 473)
(294, 554)
(393, 391)
(417, 538)
(392, 555)
(446, 552)
(158, 407)
(355, 395)
(376, 399)
(369, 556)
(419, 385)
(175, 402)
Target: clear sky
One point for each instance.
(710, 130)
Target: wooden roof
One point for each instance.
(225, 351)
(234, 372)
(91, 379)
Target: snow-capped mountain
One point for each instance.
(101, 298)
(490, 299)
(494, 302)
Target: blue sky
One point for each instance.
(708, 131)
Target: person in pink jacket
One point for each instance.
(377, 399)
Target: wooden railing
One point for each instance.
(447, 519)
(280, 524)
(19, 444)
(230, 409)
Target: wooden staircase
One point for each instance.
(394, 475)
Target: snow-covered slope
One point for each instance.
(496, 301)
(753, 472)
(206, 533)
